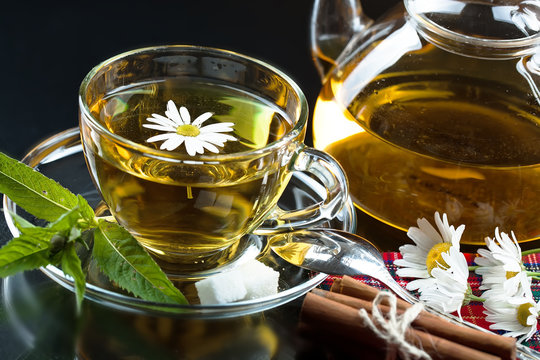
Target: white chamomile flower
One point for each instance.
(418, 261)
(179, 129)
(519, 282)
(501, 266)
(518, 314)
(450, 288)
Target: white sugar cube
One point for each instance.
(251, 280)
(259, 280)
(221, 288)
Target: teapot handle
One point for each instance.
(333, 24)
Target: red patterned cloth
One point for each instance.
(474, 312)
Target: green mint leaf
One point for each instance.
(128, 264)
(34, 192)
(71, 265)
(38, 233)
(20, 222)
(26, 252)
(86, 211)
(73, 222)
(66, 221)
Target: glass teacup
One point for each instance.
(192, 147)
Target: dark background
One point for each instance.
(48, 47)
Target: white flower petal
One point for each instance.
(443, 226)
(421, 239)
(509, 246)
(420, 284)
(412, 273)
(419, 265)
(414, 253)
(172, 143)
(173, 114)
(184, 114)
(191, 146)
(198, 145)
(159, 127)
(202, 118)
(216, 128)
(161, 137)
(209, 147)
(162, 120)
(456, 236)
(429, 230)
(216, 138)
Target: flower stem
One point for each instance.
(532, 273)
(535, 277)
(472, 297)
(474, 267)
(528, 252)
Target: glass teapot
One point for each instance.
(434, 107)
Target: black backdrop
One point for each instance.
(48, 47)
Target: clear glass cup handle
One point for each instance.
(328, 171)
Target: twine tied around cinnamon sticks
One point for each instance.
(393, 327)
(330, 323)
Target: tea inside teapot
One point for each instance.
(435, 107)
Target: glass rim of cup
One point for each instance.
(299, 122)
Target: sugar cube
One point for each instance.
(259, 280)
(221, 288)
(250, 280)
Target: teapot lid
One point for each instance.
(479, 28)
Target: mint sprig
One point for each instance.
(39, 195)
(121, 257)
(71, 220)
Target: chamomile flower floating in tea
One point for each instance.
(449, 288)
(501, 265)
(517, 314)
(419, 260)
(179, 129)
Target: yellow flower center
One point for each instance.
(434, 257)
(511, 274)
(188, 130)
(523, 313)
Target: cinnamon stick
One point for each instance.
(355, 290)
(349, 286)
(342, 322)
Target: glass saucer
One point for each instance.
(60, 157)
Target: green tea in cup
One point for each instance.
(191, 149)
